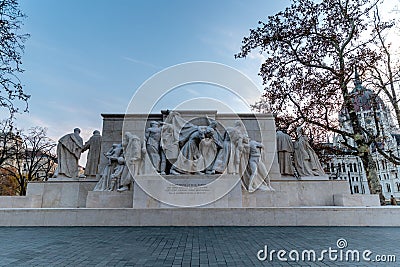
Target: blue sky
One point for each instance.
(88, 57)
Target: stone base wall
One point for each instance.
(349, 200)
(300, 216)
(290, 193)
(61, 194)
(32, 201)
(189, 191)
(105, 199)
(285, 194)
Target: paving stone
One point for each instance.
(185, 246)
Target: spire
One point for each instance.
(357, 81)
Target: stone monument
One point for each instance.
(285, 149)
(233, 178)
(69, 149)
(183, 154)
(93, 157)
(305, 158)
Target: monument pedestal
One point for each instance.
(355, 200)
(187, 191)
(107, 199)
(61, 194)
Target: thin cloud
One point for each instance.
(142, 63)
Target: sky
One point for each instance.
(85, 58)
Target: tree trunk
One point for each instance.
(22, 190)
(372, 178)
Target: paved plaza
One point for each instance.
(190, 246)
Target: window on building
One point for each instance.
(380, 178)
(332, 168)
(398, 187)
(352, 178)
(383, 164)
(356, 190)
(356, 179)
(355, 167)
(339, 166)
(377, 165)
(395, 175)
(351, 167)
(388, 188)
(344, 167)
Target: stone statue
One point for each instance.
(69, 149)
(190, 159)
(170, 140)
(209, 146)
(230, 155)
(305, 158)
(223, 155)
(112, 155)
(93, 157)
(133, 152)
(208, 150)
(153, 138)
(255, 175)
(259, 178)
(284, 146)
(236, 135)
(117, 174)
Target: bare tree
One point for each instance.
(311, 54)
(384, 76)
(34, 158)
(11, 48)
(6, 136)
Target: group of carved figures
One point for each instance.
(69, 150)
(178, 147)
(297, 158)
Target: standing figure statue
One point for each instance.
(153, 138)
(209, 146)
(258, 173)
(133, 159)
(170, 140)
(93, 157)
(305, 158)
(69, 149)
(236, 134)
(285, 149)
(229, 157)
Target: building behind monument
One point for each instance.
(350, 168)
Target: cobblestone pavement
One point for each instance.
(188, 246)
